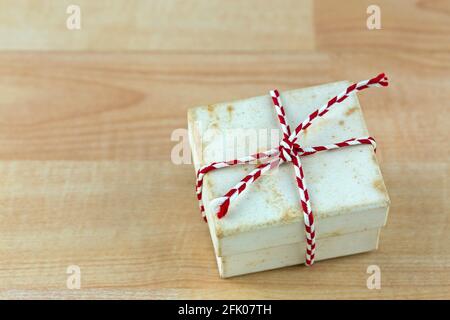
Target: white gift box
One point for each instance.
(264, 227)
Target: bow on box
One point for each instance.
(288, 151)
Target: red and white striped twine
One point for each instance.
(288, 151)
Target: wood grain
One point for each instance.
(57, 106)
(407, 26)
(86, 176)
(231, 26)
(185, 25)
(109, 218)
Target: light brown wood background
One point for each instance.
(85, 139)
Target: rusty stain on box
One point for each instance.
(264, 227)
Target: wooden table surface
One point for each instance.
(86, 119)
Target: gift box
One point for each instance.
(266, 225)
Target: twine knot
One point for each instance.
(289, 148)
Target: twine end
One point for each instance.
(382, 80)
(223, 209)
(220, 206)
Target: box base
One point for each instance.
(293, 254)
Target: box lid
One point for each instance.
(340, 182)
